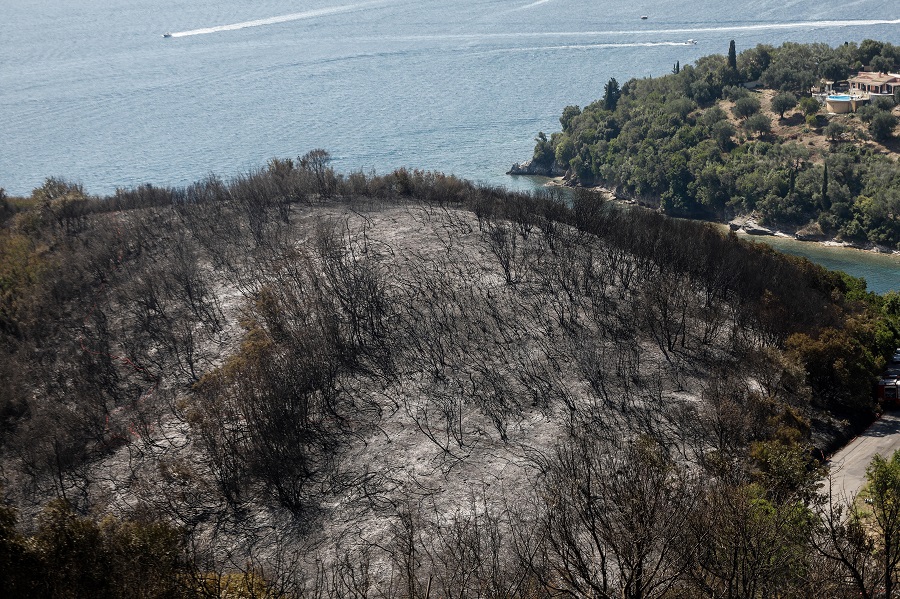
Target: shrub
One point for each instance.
(884, 103)
(735, 92)
(834, 130)
(809, 106)
(882, 126)
(867, 113)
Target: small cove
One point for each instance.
(881, 271)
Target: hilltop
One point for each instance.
(308, 382)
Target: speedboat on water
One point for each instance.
(167, 34)
(644, 17)
(692, 42)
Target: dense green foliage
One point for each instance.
(665, 142)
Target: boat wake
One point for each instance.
(309, 14)
(644, 32)
(769, 26)
(586, 47)
(532, 5)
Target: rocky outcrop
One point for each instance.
(754, 229)
(530, 167)
(749, 226)
(811, 232)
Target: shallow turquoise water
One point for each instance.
(881, 271)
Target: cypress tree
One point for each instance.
(732, 56)
(611, 94)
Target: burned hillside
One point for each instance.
(404, 384)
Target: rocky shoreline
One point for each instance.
(530, 167)
(746, 224)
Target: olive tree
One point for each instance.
(746, 107)
(882, 126)
(758, 123)
(783, 102)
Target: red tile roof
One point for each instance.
(875, 78)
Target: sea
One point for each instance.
(95, 93)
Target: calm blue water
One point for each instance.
(92, 92)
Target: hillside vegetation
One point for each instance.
(300, 383)
(697, 143)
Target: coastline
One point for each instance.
(747, 225)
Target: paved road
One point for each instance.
(848, 466)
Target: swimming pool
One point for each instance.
(840, 98)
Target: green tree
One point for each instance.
(886, 103)
(882, 493)
(882, 64)
(867, 113)
(834, 130)
(565, 150)
(732, 56)
(543, 150)
(758, 123)
(568, 114)
(735, 92)
(839, 367)
(868, 50)
(809, 106)
(794, 67)
(722, 132)
(611, 94)
(746, 107)
(751, 544)
(882, 126)
(834, 70)
(783, 102)
(754, 62)
(712, 116)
